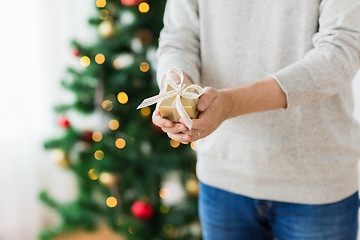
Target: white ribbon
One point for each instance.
(179, 91)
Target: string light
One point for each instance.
(164, 209)
(164, 193)
(111, 202)
(100, 58)
(167, 228)
(144, 7)
(99, 155)
(144, 67)
(145, 111)
(120, 143)
(123, 98)
(107, 105)
(103, 14)
(93, 175)
(192, 145)
(107, 178)
(174, 143)
(97, 136)
(100, 3)
(84, 61)
(113, 124)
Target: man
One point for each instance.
(279, 145)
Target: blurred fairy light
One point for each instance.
(167, 228)
(93, 175)
(113, 124)
(164, 209)
(164, 193)
(97, 136)
(100, 58)
(145, 111)
(120, 143)
(85, 61)
(123, 60)
(122, 98)
(107, 178)
(192, 145)
(144, 7)
(174, 143)
(99, 155)
(111, 202)
(103, 14)
(100, 3)
(144, 67)
(107, 105)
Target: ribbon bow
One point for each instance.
(180, 90)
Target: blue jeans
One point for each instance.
(228, 216)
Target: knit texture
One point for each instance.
(307, 153)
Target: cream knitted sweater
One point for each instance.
(307, 153)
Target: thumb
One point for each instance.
(206, 98)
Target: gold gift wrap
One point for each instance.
(166, 109)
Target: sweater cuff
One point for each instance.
(297, 84)
(190, 70)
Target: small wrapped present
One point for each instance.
(178, 100)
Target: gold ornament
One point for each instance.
(106, 29)
(192, 187)
(60, 158)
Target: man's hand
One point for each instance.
(215, 106)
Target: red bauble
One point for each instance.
(142, 210)
(76, 52)
(131, 2)
(63, 122)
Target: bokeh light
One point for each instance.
(122, 98)
(100, 58)
(164, 209)
(145, 111)
(93, 174)
(111, 202)
(120, 143)
(107, 105)
(97, 136)
(103, 14)
(99, 155)
(113, 124)
(174, 143)
(144, 7)
(164, 193)
(84, 61)
(144, 67)
(100, 3)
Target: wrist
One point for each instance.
(228, 102)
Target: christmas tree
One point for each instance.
(122, 164)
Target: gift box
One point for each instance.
(177, 101)
(168, 110)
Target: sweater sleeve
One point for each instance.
(333, 62)
(179, 44)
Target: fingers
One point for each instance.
(160, 121)
(206, 98)
(176, 128)
(166, 125)
(180, 137)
